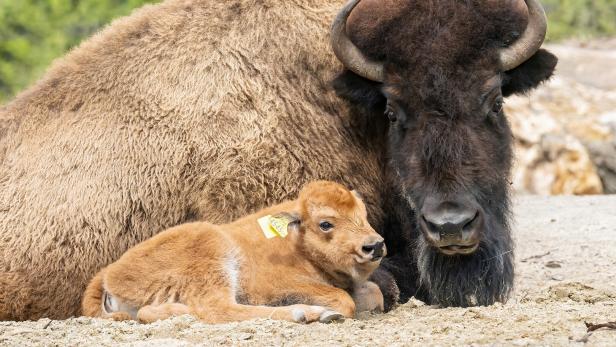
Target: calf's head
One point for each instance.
(438, 70)
(335, 234)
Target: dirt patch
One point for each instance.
(579, 292)
(565, 278)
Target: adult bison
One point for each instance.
(201, 109)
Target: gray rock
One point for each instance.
(603, 155)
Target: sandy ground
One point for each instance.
(566, 275)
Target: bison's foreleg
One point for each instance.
(368, 298)
(392, 277)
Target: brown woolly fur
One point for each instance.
(230, 272)
(210, 110)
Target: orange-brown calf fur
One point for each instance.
(231, 272)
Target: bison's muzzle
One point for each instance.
(453, 226)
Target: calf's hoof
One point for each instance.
(331, 316)
(119, 316)
(307, 313)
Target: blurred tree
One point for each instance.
(34, 32)
(580, 18)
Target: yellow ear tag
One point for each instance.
(273, 226)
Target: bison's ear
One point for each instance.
(359, 91)
(291, 218)
(530, 74)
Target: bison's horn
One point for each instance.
(530, 41)
(350, 56)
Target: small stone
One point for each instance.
(473, 313)
(560, 293)
(553, 264)
(244, 336)
(413, 303)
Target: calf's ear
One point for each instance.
(292, 218)
(539, 68)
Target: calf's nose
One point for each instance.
(377, 250)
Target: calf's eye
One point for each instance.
(326, 226)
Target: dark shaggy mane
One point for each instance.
(420, 271)
(481, 278)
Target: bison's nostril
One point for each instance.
(448, 220)
(432, 230)
(431, 226)
(470, 225)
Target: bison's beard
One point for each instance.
(478, 279)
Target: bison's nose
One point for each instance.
(377, 250)
(452, 226)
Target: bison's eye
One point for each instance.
(497, 107)
(391, 113)
(326, 226)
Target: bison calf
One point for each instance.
(294, 261)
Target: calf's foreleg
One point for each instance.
(223, 308)
(337, 301)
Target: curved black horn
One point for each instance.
(530, 41)
(350, 56)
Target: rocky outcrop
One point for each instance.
(566, 130)
(604, 157)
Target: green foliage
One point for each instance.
(34, 32)
(580, 18)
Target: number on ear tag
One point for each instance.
(273, 226)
